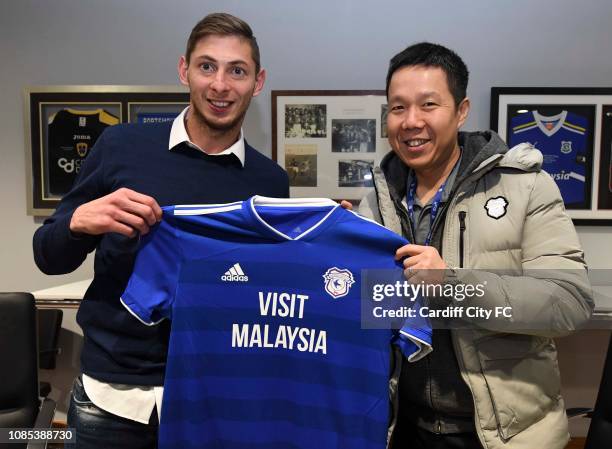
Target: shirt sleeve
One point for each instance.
(151, 290)
(414, 336)
(414, 340)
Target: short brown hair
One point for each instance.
(223, 24)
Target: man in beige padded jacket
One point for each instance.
(473, 208)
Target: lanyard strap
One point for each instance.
(435, 206)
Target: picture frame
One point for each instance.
(328, 140)
(62, 124)
(572, 127)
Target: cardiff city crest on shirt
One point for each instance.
(338, 282)
(566, 146)
(82, 148)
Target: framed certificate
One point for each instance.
(571, 128)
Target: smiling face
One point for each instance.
(222, 80)
(423, 120)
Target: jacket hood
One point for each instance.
(523, 156)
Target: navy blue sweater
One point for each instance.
(117, 347)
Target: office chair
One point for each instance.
(600, 430)
(20, 406)
(49, 326)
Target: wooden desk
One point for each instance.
(602, 315)
(62, 296)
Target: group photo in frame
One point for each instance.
(329, 140)
(572, 129)
(62, 124)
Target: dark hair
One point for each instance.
(433, 55)
(223, 24)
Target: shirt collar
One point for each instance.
(178, 135)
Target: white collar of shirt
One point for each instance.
(178, 135)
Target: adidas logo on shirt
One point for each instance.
(235, 273)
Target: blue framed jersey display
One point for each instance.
(565, 136)
(562, 138)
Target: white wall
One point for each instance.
(319, 44)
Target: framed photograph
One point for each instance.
(572, 127)
(384, 110)
(329, 140)
(604, 186)
(62, 124)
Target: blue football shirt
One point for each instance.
(266, 346)
(562, 139)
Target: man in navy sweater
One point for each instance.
(201, 157)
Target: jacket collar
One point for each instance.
(479, 150)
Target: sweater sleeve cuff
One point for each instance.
(66, 238)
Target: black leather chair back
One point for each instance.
(600, 430)
(49, 326)
(19, 402)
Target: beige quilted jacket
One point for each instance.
(510, 366)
